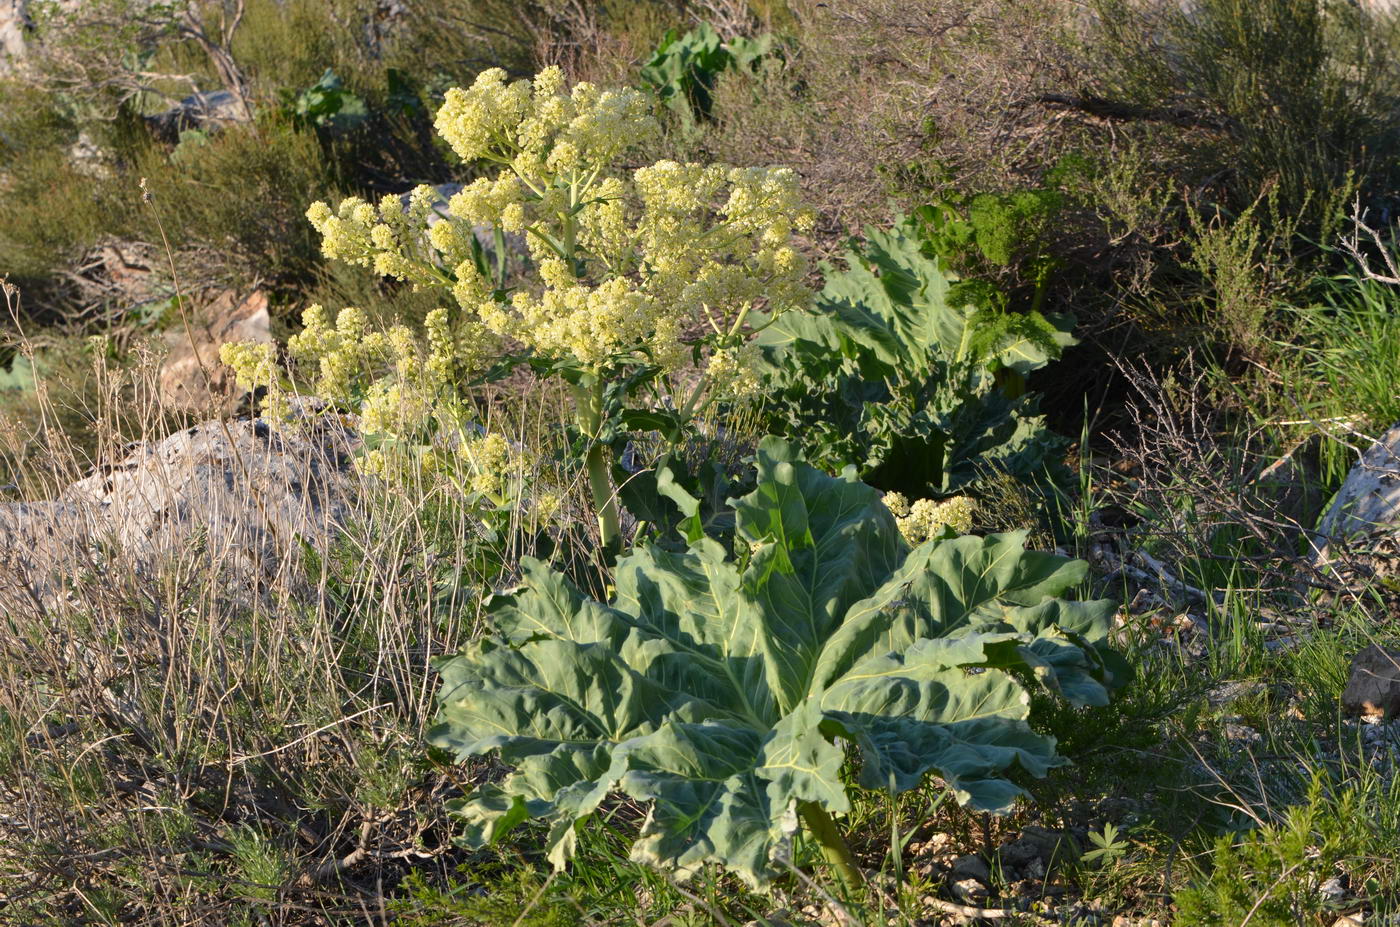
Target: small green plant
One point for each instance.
(1108, 849)
(904, 371)
(260, 862)
(327, 105)
(683, 69)
(724, 687)
(510, 898)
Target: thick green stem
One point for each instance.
(588, 402)
(600, 483)
(834, 848)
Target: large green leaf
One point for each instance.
(902, 306)
(895, 370)
(722, 691)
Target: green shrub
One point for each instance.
(239, 201)
(51, 212)
(1270, 876)
(1299, 93)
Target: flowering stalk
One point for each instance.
(588, 406)
(628, 266)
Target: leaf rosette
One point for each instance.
(730, 691)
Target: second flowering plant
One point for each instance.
(646, 280)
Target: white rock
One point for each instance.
(240, 495)
(971, 867)
(1369, 497)
(14, 23)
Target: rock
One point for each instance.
(191, 377)
(1035, 849)
(1237, 733)
(14, 28)
(1369, 497)
(240, 495)
(86, 157)
(1356, 547)
(776, 919)
(1229, 692)
(970, 867)
(39, 542)
(1374, 686)
(1333, 890)
(969, 891)
(208, 112)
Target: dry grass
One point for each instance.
(879, 101)
(189, 737)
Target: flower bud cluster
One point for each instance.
(631, 265)
(927, 518)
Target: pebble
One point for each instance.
(969, 891)
(971, 867)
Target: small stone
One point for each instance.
(1241, 733)
(1033, 850)
(776, 919)
(971, 867)
(969, 891)
(1374, 687)
(1286, 642)
(1228, 692)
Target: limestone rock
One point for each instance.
(1036, 845)
(208, 112)
(971, 867)
(191, 377)
(240, 496)
(14, 24)
(1374, 686)
(1369, 498)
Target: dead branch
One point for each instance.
(1364, 238)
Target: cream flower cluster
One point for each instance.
(541, 130)
(735, 371)
(927, 518)
(632, 267)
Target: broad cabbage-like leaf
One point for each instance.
(725, 691)
(895, 370)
